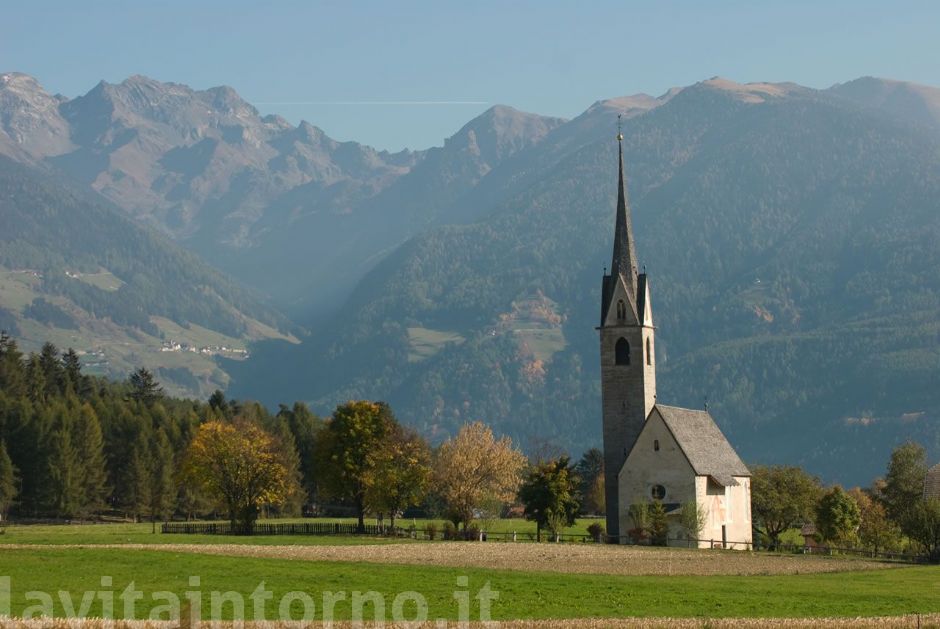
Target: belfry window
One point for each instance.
(656, 445)
(621, 310)
(649, 351)
(622, 352)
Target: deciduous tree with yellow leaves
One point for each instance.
(240, 465)
(399, 473)
(473, 468)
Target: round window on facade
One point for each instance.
(658, 492)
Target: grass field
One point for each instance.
(426, 342)
(534, 581)
(521, 594)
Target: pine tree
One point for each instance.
(305, 428)
(74, 379)
(63, 470)
(89, 446)
(162, 490)
(35, 380)
(12, 371)
(8, 481)
(287, 446)
(144, 387)
(658, 523)
(52, 370)
(138, 478)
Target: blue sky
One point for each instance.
(310, 60)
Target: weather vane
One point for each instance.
(619, 127)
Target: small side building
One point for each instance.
(679, 456)
(932, 482)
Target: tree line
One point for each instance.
(893, 514)
(75, 446)
(80, 446)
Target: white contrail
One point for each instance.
(376, 102)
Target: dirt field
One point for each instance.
(919, 622)
(565, 558)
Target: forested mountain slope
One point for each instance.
(792, 238)
(76, 271)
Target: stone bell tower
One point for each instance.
(628, 362)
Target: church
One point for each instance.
(652, 451)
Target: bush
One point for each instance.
(637, 536)
(450, 531)
(658, 524)
(596, 530)
(431, 530)
(472, 533)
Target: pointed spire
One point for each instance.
(624, 259)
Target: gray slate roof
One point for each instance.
(932, 482)
(703, 443)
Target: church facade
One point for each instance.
(653, 451)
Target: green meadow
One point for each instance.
(521, 595)
(32, 562)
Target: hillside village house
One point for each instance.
(653, 451)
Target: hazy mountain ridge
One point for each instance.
(253, 194)
(790, 235)
(76, 271)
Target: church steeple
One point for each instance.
(628, 362)
(624, 258)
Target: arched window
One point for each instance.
(649, 351)
(621, 310)
(622, 352)
(656, 445)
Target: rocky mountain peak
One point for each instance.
(500, 131)
(29, 118)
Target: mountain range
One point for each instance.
(790, 234)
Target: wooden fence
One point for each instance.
(337, 528)
(279, 528)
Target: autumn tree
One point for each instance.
(399, 473)
(473, 468)
(782, 497)
(837, 516)
(239, 464)
(875, 529)
(353, 434)
(549, 495)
